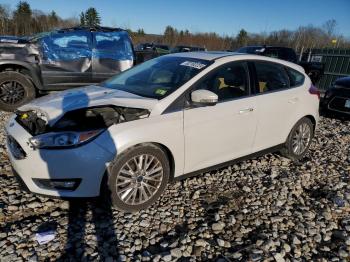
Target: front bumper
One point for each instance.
(87, 163)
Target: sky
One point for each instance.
(225, 17)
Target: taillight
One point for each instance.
(314, 91)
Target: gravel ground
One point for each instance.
(265, 209)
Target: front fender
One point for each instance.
(166, 130)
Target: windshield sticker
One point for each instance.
(161, 92)
(196, 65)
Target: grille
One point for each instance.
(338, 104)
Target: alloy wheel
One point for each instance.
(301, 139)
(11, 92)
(139, 179)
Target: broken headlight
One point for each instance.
(63, 139)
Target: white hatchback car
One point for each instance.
(167, 118)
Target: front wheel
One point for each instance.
(299, 139)
(138, 177)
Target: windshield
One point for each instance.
(159, 77)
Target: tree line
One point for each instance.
(24, 20)
(305, 37)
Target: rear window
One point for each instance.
(271, 77)
(295, 78)
(272, 53)
(113, 45)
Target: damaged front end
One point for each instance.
(75, 127)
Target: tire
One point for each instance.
(289, 149)
(131, 200)
(16, 89)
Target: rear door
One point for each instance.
(216, 134)
(276, 102)
(66, 59)
(112, 53)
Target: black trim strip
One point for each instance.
(231, 162)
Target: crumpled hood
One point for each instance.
(55, 105)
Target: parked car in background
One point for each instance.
(184, 48)
(159, 48)
(147, 51)
(170, 117)
(337, 98)
(144, 46)
(314, 69)
(60, 59)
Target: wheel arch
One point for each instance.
(167, 151)
(312, 119)
(23, 68)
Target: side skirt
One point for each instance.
(231, 162)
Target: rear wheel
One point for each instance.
(15, 90)
(138, 177)
(299, 139)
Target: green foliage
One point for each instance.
(22, 16)
(92, 17)
(25, 21)
(242, 37)
(82, 19)
(140, 32)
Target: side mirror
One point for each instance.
(204, 97)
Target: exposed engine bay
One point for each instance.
(83, 119)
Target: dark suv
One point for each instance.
(59, 60)
(185, 48)
(314, 69)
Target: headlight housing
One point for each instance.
(65, 139)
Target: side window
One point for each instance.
(271, 77)
(295, 78)
(228, 82)
(271, 53)
(115, 45)
(58, 46)
(70, 40)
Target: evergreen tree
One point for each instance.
(141, 32)
(92, 17)
(242, 37)
(4, 20)
(82, 19)
(22, 16)
(53, 19)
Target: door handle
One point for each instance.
(293, 100)
(247, 110)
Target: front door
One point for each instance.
(216, 134)
(66, 59)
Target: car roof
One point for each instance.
(91, 29)
(215, 55)
(205, 55)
